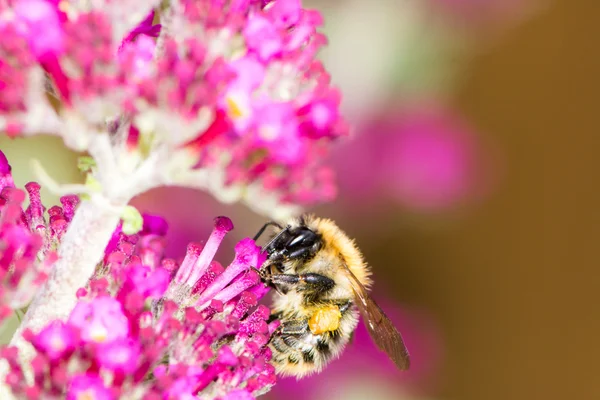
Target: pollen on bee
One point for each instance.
(325, 319)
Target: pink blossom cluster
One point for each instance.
(28, 240)
(145, 326)
(231, 85)
(429, 160)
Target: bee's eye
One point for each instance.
(304, 243)
(304, 237)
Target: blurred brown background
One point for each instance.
(514, 281)
(516, 284)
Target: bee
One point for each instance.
(322, 285)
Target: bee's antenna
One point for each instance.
(266, 246)
(261, 231)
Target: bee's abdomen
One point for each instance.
(290, 357)
(304, 353)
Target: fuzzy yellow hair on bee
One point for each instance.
(321, 280)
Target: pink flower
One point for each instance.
(277, 129)
(120, 355)
(88, 387)
(6, 179)
(141, 308)
(285, 13)
(431, 162)
(425, 158)
(263, 37)
(27, 240)
(145, 29)
(182, 389)
(55, 340)
(150, 283)
(100, 320)
(16, 61)
(244, 101)
(139, 56)
(138, 47)
(318, 117)
(40, 24)
(249, 73)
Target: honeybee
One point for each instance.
(321, 280)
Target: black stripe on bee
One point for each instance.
(278, 344)
(308, 357)
(290, 341)
(323, 348)
(335, 336)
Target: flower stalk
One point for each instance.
(81, 249)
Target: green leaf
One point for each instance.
(132, 220)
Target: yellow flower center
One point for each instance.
(99, 334)
(234, 108)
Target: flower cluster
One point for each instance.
(28, 240)
(229, 97)
(144, 327)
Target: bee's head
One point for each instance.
(299, 243)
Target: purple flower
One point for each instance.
(39, 22)
(249, 73)
(149, 283)
(6, 179)
(28, 240)
(139, 55)
(263, 37)
(245, 100)
(430, 163)
(56, 340)
(88, 387)
(100, 320)
(285, 13)
(144, 28)
(120, 355)
(426, 159)
(161, 328)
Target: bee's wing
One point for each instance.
(381, 329)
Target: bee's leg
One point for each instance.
(314, 283)
(294, 327)
(286, 335)
(266, 275)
